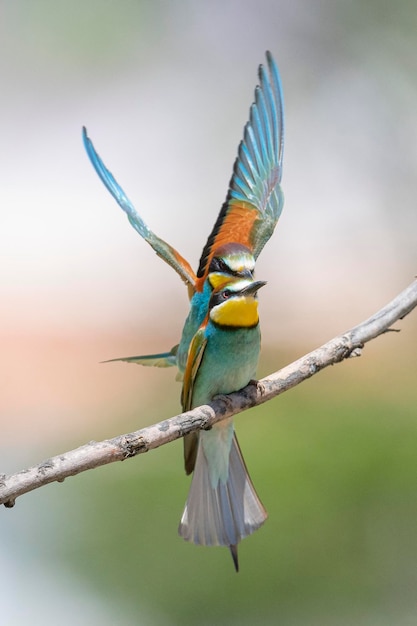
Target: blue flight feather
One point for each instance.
(163, 249)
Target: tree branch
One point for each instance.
(95, 454)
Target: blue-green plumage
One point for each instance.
(229, 362)
(198, 311)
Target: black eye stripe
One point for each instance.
(219, 265)
(219, 297)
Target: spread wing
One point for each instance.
(254, 201)
(165, 359)
(162, 249)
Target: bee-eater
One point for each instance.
(222, 507)
(220, 342)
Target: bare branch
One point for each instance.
(95, 454)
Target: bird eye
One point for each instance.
(226, 294)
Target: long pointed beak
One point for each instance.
(252, 289)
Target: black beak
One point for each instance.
(252, 289)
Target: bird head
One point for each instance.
(231, 260)
(235, 304)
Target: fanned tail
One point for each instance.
(225, 514)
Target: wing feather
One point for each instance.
(164, 359)
(162, 249)
(195, 355)
(254, 201)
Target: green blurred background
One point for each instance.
(164, 89)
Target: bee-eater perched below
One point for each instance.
(222, 506)
(220, 343)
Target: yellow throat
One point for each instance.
(240, 312)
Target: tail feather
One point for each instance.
(222, 515)
(233, 552)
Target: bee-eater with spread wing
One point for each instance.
(220, 343)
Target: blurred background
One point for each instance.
(164, 89)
